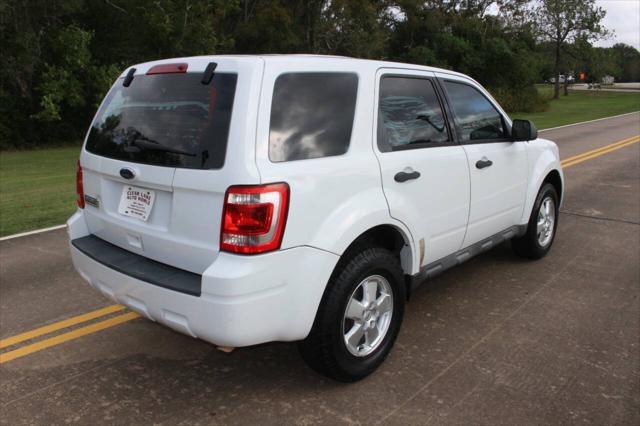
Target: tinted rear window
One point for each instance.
(409, 114)
(166, 120)
(311, 115)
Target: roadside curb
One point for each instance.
(36, 231)
(589, 121)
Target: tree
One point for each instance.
(627, 59)
(354, 28)
(595, 62)
(563, 21)
(265, 27)
(59, 57)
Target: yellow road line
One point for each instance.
(593, 151)
(622, 141)
(65, 337)
(577, 159)
(599, 153)
(59, 325)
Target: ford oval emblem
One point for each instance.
(127, 173)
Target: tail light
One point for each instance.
(253, 218)
(79, 186)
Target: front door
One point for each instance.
(425, 175)
(497, 166)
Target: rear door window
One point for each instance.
(409, 114)
(311, 115)
(168, 120)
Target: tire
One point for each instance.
(325, 350)
(531, 245)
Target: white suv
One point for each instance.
(249, 199)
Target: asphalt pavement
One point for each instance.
(498, 340)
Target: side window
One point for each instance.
(409, 113)
(311, 115)
(477, 117)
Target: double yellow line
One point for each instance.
(577, 159)
(123, 316)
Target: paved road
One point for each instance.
(618, 87)
(498, 340)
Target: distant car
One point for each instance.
(570, 79)
(250, 199)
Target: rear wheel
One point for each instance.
(359, 317)
(541, 229)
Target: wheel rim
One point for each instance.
(546, 221)
(367, 317)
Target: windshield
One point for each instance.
(168, 120)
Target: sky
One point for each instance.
(623, 17)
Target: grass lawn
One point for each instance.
(37, 188)
(581, 106)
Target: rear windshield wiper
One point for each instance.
(208, 73)
(145, 143)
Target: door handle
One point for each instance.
(405, 176)
(481, 164)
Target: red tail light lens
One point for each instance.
(254, 217)
(79, 186)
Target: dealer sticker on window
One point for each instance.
(136, 202)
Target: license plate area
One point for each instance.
(136, 202)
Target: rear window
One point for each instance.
(311, 115)
(168, 120)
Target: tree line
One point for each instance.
(60, 57)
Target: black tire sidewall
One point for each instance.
(324, 349)
(538, 250)
(364, 365)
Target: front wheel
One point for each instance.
(541, 229)
(359, 317)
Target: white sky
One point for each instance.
(623, 17)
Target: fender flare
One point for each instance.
(336, 234)
(545, 164)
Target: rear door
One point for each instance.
(424, 172)
(161, 153)
(498, 167)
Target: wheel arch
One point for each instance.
(546, 168)
(389, 237)
(554, 178)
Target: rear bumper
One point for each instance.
(244, 300)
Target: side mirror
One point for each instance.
(523, 130)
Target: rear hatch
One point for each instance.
(161, 153)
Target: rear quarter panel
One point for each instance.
(333, 199)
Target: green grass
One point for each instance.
(37, 188)
(580, 106)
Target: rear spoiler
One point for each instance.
(206, 76)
